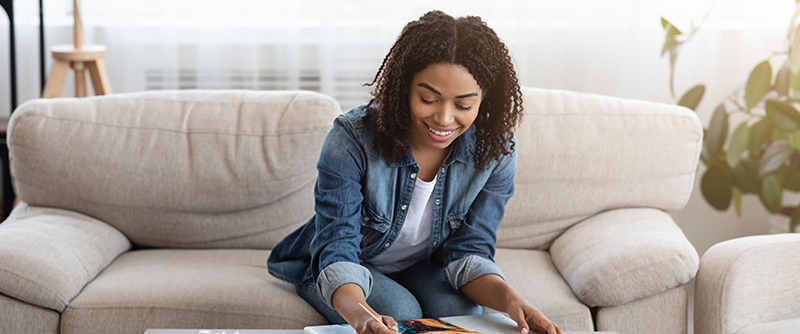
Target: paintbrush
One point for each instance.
(373, 316)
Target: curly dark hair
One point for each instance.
(438, 38)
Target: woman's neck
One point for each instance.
(429, 161)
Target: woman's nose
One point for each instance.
(445, 115)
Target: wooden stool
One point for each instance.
(88, 57)
(80, 57)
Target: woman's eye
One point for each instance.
(463, 108)
(425, 101)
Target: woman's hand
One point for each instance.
(349, 301)
(493, 292)
(529, 319)
(368, 325)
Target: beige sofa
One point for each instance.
(749, 285)
(158, 209)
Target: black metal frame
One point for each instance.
(8, 5)
(5, 175)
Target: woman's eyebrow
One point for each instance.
(424, 85)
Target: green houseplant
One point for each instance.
(762, 155)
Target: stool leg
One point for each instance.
(100, 82)
(55, 83)
(80, 78)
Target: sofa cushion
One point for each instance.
(187, 289)
(580, 154)
(664, 313)
(190, 169)
(622, 255)
(48, 255)
(788, 326)
(532, 273)
(21, 317)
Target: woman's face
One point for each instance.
(444, 101)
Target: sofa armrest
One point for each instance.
(747, 281)
(622, 255)
(48, 255)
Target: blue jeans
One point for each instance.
(421, 291)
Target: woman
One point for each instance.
(412, 186)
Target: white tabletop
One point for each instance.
(226, 331)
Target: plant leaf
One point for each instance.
(795, 82)
(716, 187)
(759, 133)
(782, 79)
(779, 135)
(795, 221)
(664, 24)
(794, 52)
(793, 183)
(783, 115)
(670, 42)
(794, 139)
(772, 194)
(774, 157)
(692, 98)
(745, 176)
(717, 132)
(738, 144)
(758, 84)
(737, 201)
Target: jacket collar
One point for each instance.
(462, 150)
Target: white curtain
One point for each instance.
(334, 46)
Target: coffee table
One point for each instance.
(270, 331)
(227, 331)
(487, 323)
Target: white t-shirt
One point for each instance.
(412, 243)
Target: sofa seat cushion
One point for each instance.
(187, 289)
(788, 326)
(533, 274)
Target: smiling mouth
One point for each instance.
(440, 133)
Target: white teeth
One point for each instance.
(440, 133)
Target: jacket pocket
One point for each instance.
(373, 227)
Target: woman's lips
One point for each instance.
(440, 134)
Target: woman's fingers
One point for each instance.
(543, 324)
(388, 326)
(518, 315)
(389, 322)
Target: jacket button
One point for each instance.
(442, 169)
(403, 207)
(413, 175)
(386, 245)
(437, 202)
(434, 243)
(366, 219)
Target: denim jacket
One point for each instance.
(361, 202)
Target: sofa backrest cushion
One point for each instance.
(186, 169)
(581, 154)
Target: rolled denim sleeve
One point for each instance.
(465, 270)
(341, 273)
